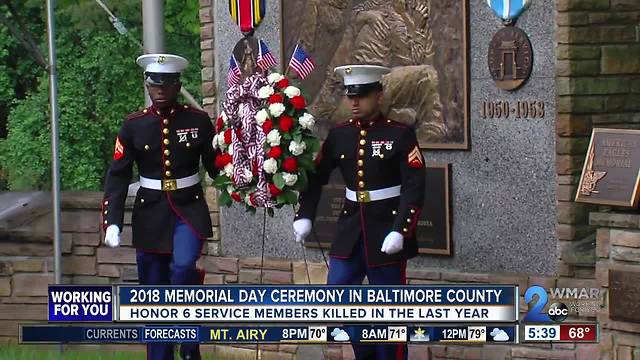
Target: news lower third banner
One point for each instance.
(299, 304)
(293, 334)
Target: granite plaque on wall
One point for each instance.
(611, 168)
(434, 226)
(624, 291)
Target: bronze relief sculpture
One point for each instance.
(427, 87)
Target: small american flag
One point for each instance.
(233, 75)
(301, 63)
(265, 58)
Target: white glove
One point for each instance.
(112, 236)
(301, 229)
(392, 243)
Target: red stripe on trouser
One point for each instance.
(403, 281)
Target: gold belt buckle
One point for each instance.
(169, 185)
(363, 196)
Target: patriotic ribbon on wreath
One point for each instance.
(248, 14)
(248, 139)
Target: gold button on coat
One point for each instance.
(165, 131)
(167, 173)
(167, 163)
(166, 141)
(167, 152)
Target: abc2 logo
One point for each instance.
(557, 311)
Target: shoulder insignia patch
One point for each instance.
(414, 159)
(118, 152)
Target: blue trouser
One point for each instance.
(179, 268)
(351, 271)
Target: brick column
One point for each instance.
(598, 64)
(212, 247)
(617, 248)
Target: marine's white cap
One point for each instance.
(162, 63)
(361, 74)
(360, 80)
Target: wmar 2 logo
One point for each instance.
(580, 300)
(557, 311)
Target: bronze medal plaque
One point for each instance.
(624, 291)
(434, 226)
(246, 53)
(611, 168)
(510, 58)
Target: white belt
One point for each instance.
(169, 184)
(373, 195)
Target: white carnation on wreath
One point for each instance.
(307, 121)
(270, 166)
(221, 144)
(291, 91)
(214, 141)
(225, 118)
(228, 170)
(274, 138)
(230, 150)
(274, 78)
(265, 91)
(276, 109)
(261, 117)
(297, 148)
(289, 179)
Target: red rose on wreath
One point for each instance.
(222, 160)
(275, 152)
(273, 189)
(283, 83)
(227, 136)
(267, 126)
(298, 102)
(275, 98)
(290, 164)
(235, 196)
(286, 123)
(219, 124)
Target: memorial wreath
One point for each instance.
(267, 146)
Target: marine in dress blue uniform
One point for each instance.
(170, 217)
(384, 173)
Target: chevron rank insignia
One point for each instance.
(118, 152)
(414, 159)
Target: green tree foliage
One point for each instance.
(98, 85)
